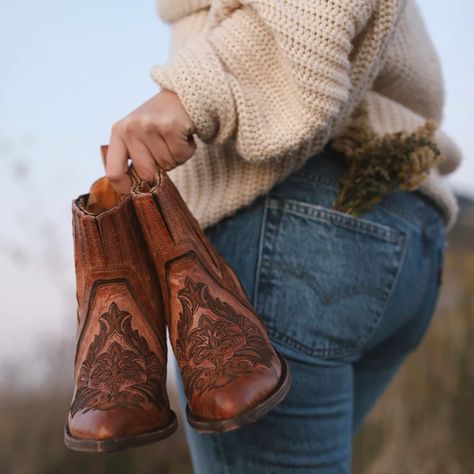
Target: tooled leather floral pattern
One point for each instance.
(119, 369)
(222, 346)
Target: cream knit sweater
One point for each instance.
(269, 82)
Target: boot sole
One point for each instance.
(118, 444)
(219, 426)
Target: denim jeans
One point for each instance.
(344, 299)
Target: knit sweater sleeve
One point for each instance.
(277, 76)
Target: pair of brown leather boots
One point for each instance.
(143, 264)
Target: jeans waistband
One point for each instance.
(328, 167)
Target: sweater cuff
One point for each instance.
(196, 75)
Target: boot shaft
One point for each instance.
(225, 356)
(120, 364)
(110, 242)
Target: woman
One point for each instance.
(317, 171)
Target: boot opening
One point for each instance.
(101, 197)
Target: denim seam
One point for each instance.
(426, 267)
(333, 184)
(330, 216)
(396, 212)
(422, 309)
(222, 453)
(390, 292)
(343, 349)
(269, 233)
(260, 252)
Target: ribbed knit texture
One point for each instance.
(269, 82)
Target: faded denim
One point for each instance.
(344, 299)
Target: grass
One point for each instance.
(31, 436)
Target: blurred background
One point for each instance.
(67, 72)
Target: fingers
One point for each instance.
(159, 150)
(157, 133)
(167, 144)
(142, 159)
(116, 165)
(180, 148)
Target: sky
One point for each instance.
(68, 71)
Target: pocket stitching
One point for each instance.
(345, 348)
(330, 216)
(285, 339)
(258, 269)
(265, 255)
(265, 266)
(376, 322)
(355, 290)
(333, 184)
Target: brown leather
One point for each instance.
(120, 364)
(226, 360)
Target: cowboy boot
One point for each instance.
(120, 399)
(232, 375)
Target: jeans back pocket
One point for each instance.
(324, 277)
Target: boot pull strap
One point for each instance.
(131, 170)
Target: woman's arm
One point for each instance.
(274, 75)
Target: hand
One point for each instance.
(157, 133)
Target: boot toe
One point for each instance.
(115, 423)
(236, 397)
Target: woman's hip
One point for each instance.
(325, 281)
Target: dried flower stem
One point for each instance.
(382, 164)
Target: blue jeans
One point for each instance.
(344, 299)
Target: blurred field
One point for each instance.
(31, 433)
(424, 423)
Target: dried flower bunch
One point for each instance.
(381, 164)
